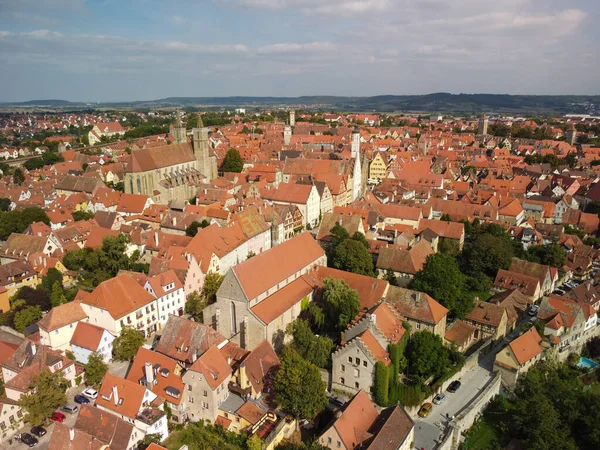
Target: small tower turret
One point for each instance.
(179, 131)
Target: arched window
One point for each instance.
(233, 319)
(139, 186)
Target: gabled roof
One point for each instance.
(167, 373)
(267, 269)
(61, 316)
(486, 313)
(416, 305)
(527, 346)
(105, 426)
(119, 296)
(213, 366)
(88, 336)
(182, 339)
(62, 439)
(391, 429)
(159, 157)
(130, 396)
(261, 363)
(404, 261)
(356, 418)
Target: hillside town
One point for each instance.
(298, 279)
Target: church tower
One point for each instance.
(292, 118)
(287, 135)
(355, 143)
(482, 126)
(179, 132)
(357, 172)
(200, 143)
(571, 135)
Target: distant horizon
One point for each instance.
(288, 97)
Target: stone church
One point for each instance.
(172, 171)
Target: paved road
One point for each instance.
(116, 368)
(426, 433)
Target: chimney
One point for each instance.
(115, 393)
(33, 349)
(205, 191)
(71, 434)
(44, 262)
(373, 318)
(174, 221)
(156, 238)
(149, 373)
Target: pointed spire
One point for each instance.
(177, 118)
(200, 123)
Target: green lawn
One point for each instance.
(488, 432)
(481, 436)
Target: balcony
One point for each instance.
(150, 416)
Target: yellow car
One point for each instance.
(425, 410)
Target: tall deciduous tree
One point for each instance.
(126, 345)
(47, 393)
(299, 389)
(194, 306)
(95, 369)
(442, 279)
(18, 177)
(212, 282)
(316, 349)
(233, 161)
(51, 277)
(57, 297)
(427, 356)
(341, 302)
(352, 256)
(26, 317)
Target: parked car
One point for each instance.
(425, 410)
(58, 417)
(439, 399)
(533, 310)
(38, 431)
(28, 439)
(70, 408)
(90, 393)
(454, 386)
(81, 399)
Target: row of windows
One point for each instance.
(356, 361)
(343, 381)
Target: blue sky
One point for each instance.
(120, 50)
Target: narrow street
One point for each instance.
(429, 429)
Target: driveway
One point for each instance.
(118, 368)
(472, 382)
(44, 441)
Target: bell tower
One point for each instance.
(179, 131)
(200, 143)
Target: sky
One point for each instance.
(126, 50)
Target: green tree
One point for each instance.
(390, 277)
(442, 279)
(315, 349)
(57, 297)
(341, 302)
(192, 229)
(551, 254)
(47, 392)
(52, 276)
(382, 384)
(352, 256)
(254, 443)
(17, 221)
(299, 389)
(212, 282)
(26, 317)
(194, 306)
(127, 344)
(18, 177)
(233, 162)
(82, 215)
(95, 369)
(153, 438)
(487, 253)
(427, 356)
(4, 203)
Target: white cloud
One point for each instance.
(295, 48)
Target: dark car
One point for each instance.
(28, 439)
(81, 399)
(454, 386)
(38, 431)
